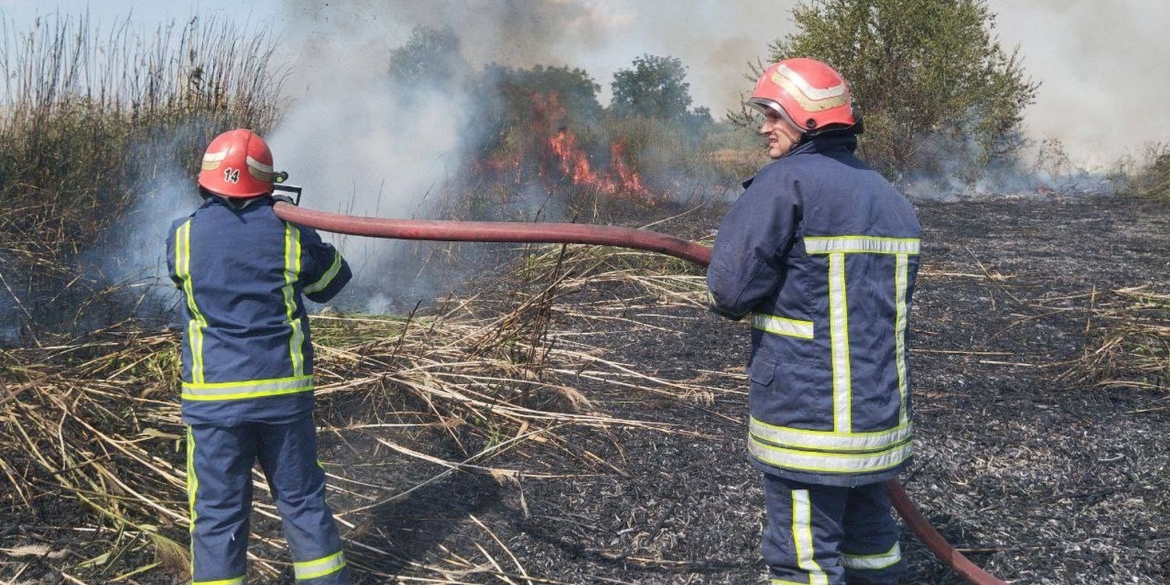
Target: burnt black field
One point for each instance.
(1041, 446)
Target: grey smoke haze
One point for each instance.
(357, 148)
(348, 134)
(715, 39)
(1097, 61)
(354, 146)
(1102, 66)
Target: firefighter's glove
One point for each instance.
(284, 198)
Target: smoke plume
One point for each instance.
(1094, 60)
(357, 145)
(1098, 63)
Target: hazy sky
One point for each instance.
(1095, 59)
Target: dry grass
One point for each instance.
(1128, 340)
(90, 121)
(96, 420)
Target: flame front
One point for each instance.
(557, 155)
(616, 179)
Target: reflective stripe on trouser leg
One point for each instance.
(803, 532)
(219, 480)
(289, 460)
(870, 552)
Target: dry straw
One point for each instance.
(490, 385)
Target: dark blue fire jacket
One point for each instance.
(821, 254)
(247, 354)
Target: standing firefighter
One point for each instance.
(248, 366)
(820, 253)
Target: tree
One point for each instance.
(920, 71)
(429, 57)
(656, 87)
(574, 88)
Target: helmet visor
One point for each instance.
(765, 105)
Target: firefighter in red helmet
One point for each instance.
(819, 254)
(247, 366)
(237, 165)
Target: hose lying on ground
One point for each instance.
(572, 233)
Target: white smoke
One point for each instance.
(1099, 62)
(716, 40)
(1101, 68)
(357, 147)
(133, 253)
(1097, 101)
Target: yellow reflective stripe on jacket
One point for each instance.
(900, 323)
(839, 345)
(192, 484)
(234, 581)
(783, 326)
(873, 562)
(829, 462)
(806, 440)
(247, 388)
(292, 273)
(802, 538)
(837, 248)
(198, 321)
(328, 276)
(320, 567)
(860, 245)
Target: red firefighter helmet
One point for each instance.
(808, 93)
(237, 163)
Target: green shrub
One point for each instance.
(1152, 177)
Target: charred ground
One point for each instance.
(1042, 448)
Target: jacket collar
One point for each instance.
(819, 144)
(826, 141)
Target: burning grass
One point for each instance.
(492, 391)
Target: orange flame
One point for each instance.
(618, 178)
(559, 154)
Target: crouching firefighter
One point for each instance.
(820, 255)
(247, 363)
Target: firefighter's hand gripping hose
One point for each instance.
(566, 233)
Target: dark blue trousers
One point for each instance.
(219, 488)
(829, 535)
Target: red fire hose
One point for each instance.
(571, 233)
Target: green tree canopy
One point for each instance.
(429, 57)
(655, 87)
(574, 89)
(920, 71)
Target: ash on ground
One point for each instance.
(1042, 449)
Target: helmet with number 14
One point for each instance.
(237, 164)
